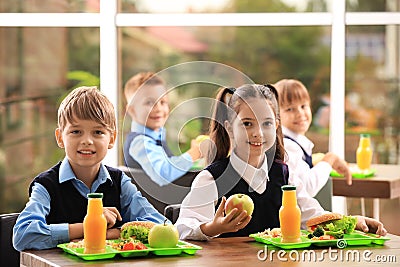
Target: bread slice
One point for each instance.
(324, 218)
(146, 224)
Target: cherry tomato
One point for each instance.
(128, 246)
(140, 246)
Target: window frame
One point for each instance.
(109, 20)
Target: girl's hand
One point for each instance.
(339, 165)
(112, 215)
(370, 225)
(225, 224)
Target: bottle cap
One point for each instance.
(95, 195)
(365, 135)
(288, 187)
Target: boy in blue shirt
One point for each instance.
(145, 146)
(58, 197)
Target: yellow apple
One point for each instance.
(317, 157)
(241, 202)
(201, 138)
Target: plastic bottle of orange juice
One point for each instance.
(290, 215)
(364, 152)
(94, 225)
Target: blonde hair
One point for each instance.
(290, 91)
(136, 81)
(87, 103)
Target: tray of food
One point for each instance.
(129, 250)
(330, 229)
(137, 239)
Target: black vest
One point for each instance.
(307, 158)
(129, 161)
(266, 205)
(67, 205)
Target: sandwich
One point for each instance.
(331, 224)
(138, 230)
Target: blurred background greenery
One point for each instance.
(40, 65)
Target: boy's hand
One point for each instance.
(194, 150)
(113, 233)
(339, 165)
(224, 224)
(370, 225)
(112, 215)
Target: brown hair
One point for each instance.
(87, 103)
(226, 108)
(290, 91)
(134, 83)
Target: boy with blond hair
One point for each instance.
(58, 197)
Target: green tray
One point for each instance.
(181, 247)
(355, 173)
(357, 238)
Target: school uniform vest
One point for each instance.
(67, 205)
(307, 158)
(266, 205)
(129, 161)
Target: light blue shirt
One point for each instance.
(155, 163)
(31, 230)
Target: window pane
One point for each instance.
(264, 54)
(371, 5)
(35, 66)
(372, 90)
(49, 6)
(216, 6)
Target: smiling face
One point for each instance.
(253, 131)
(150, 106)
(296, 116)
(85, 143)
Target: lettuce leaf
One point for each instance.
(139, 232)
(347, 224)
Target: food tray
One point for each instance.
(181, 247)
(356, 173)
(357, 238)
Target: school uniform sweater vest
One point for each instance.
(266, 205)
(67, 205)
(307, 158)
(131, 162)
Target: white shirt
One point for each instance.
(314, 178)
(198, 207)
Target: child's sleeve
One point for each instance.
(31, 230)
(312, 179)
(309, 206)
(198, 207)
(156, 164)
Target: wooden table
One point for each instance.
(237, 251)
(385, 184)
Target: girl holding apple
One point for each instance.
(247, 158)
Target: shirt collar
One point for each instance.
(66, 173)
(303, 141)
(256, 178)
(156, 135)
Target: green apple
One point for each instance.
(163, 236)
(241, 202)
